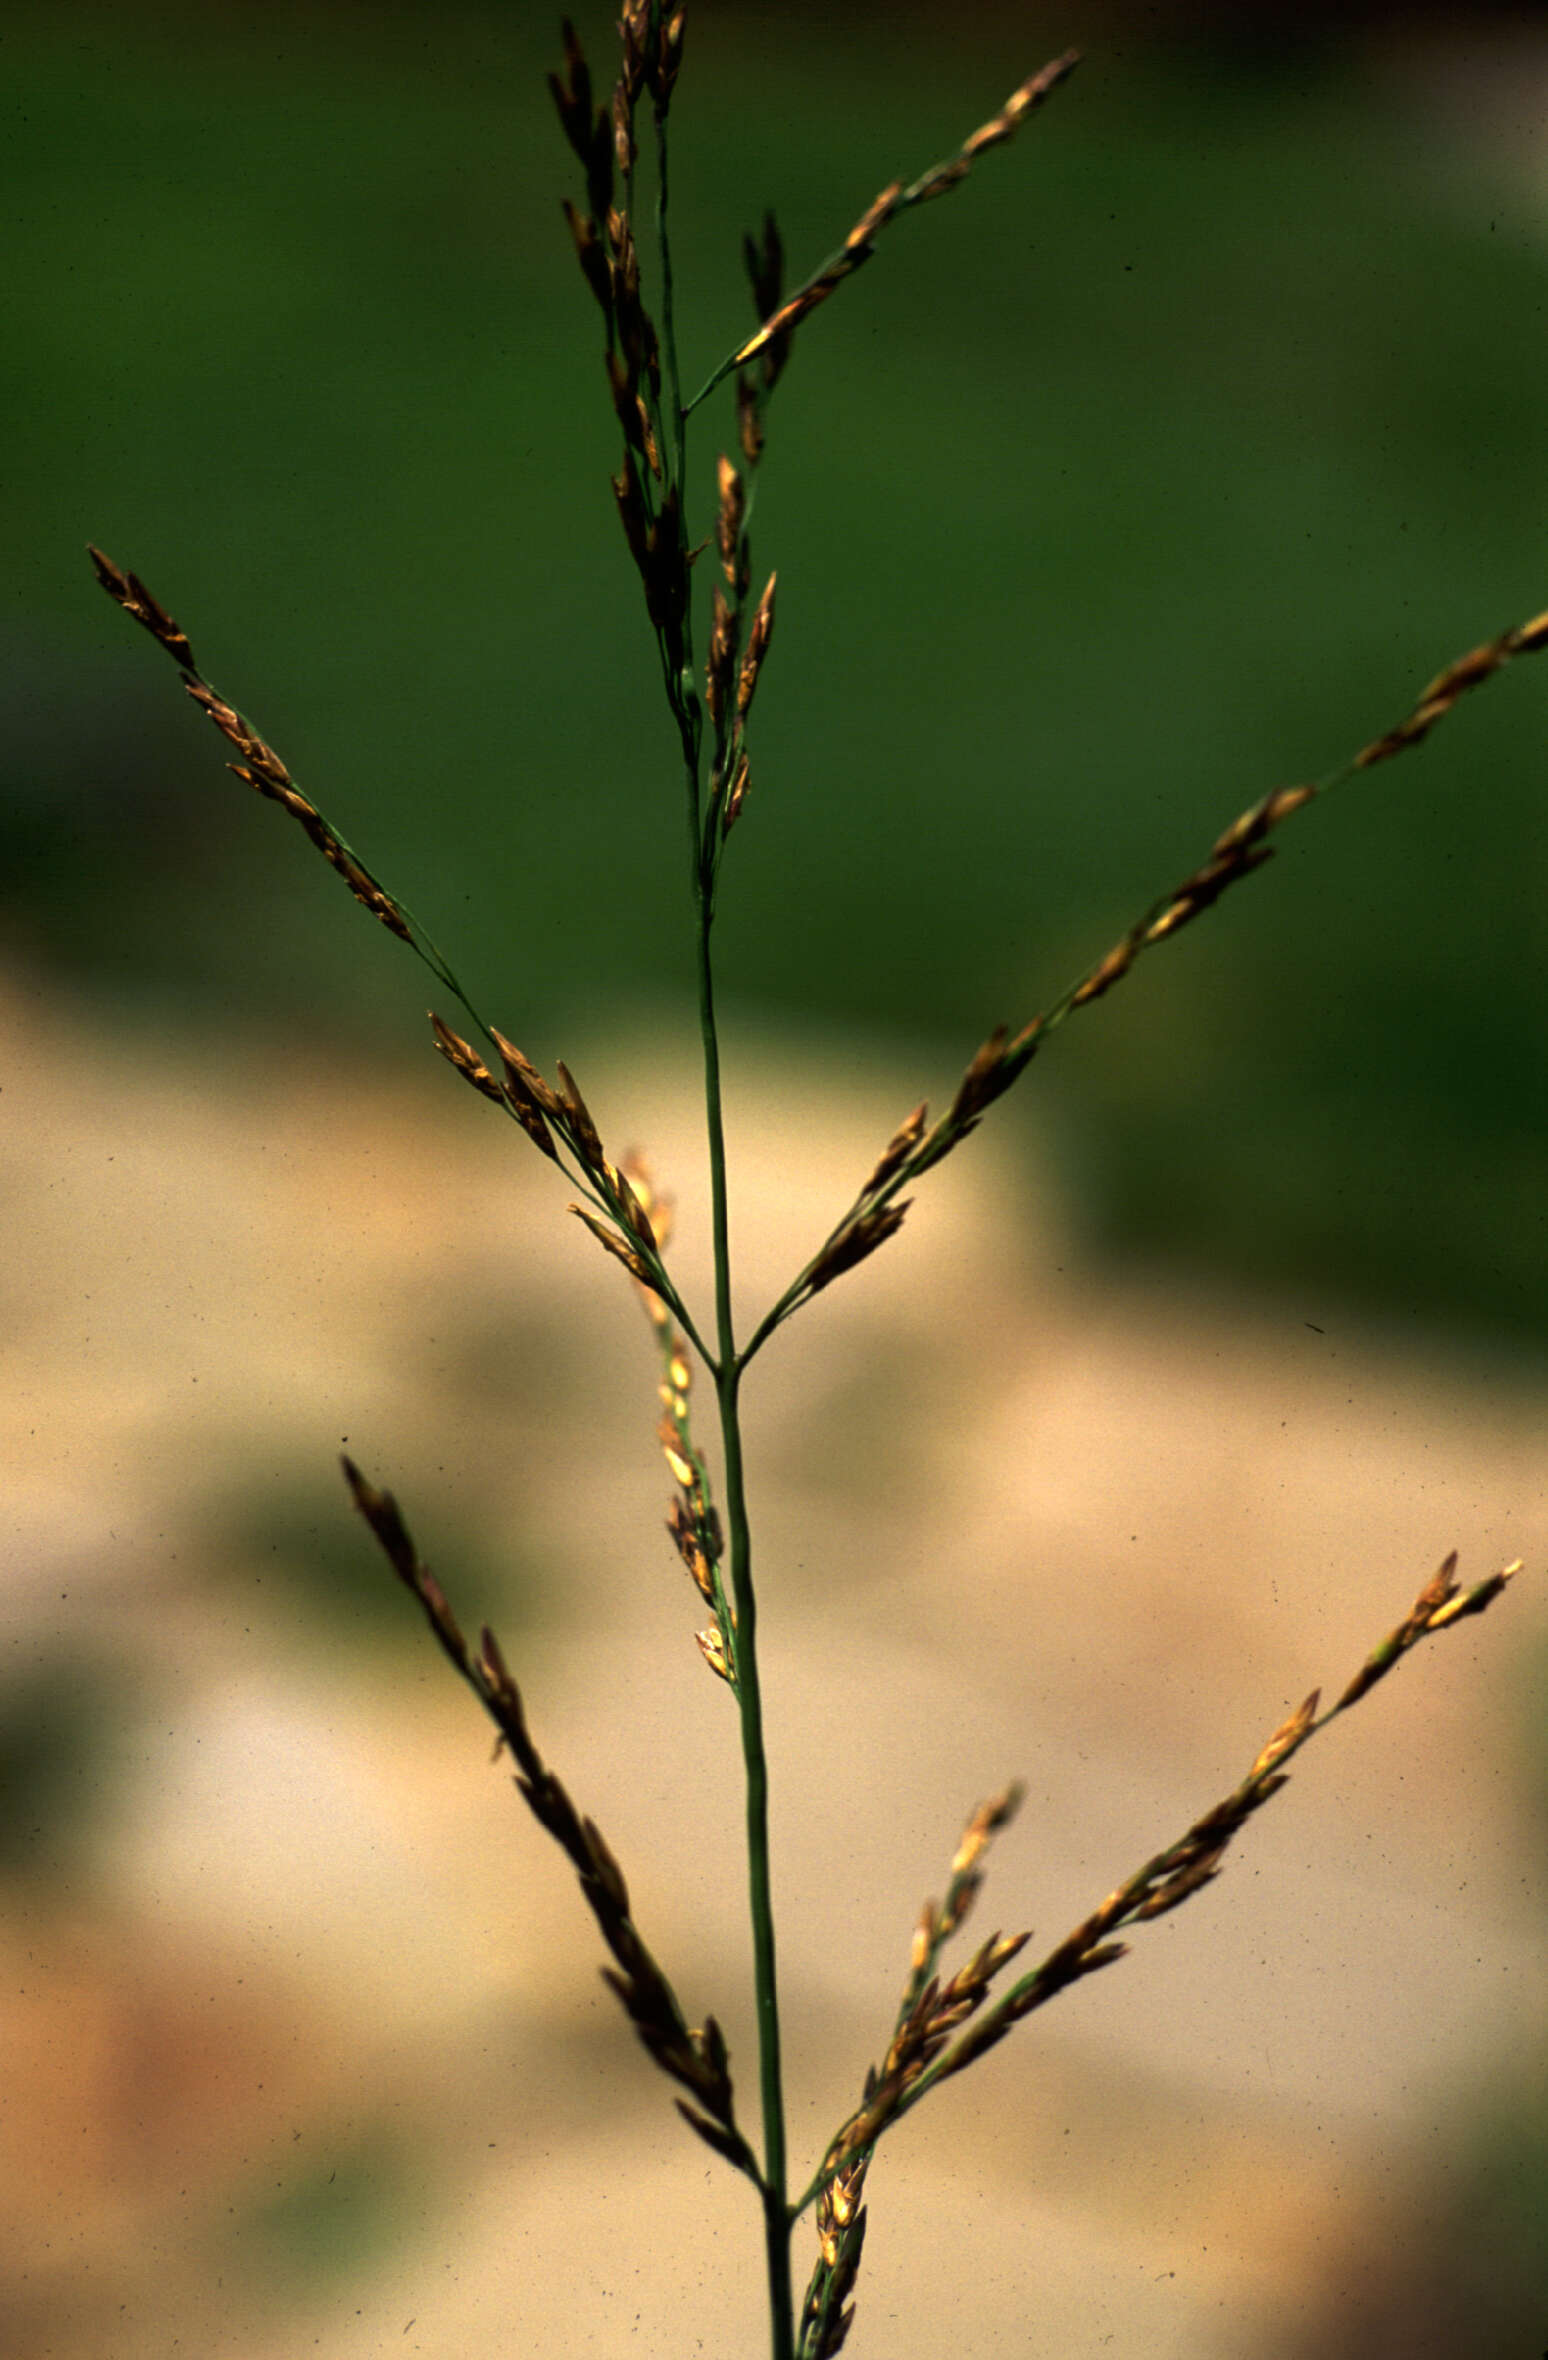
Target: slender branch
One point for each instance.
(1165, 1881)
(859, 246)
(1236, 853)
(695, 2058)
(547, 1119)
(261, 768)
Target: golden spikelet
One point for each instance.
(760, 633)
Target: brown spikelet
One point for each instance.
(858, 1239)
(665, 575)
(736, 793)
(1437, 1593)
(986, 1821)
(1395, 741)
(760, 633)
(604, 1867)
(725, 2143)
(225, 717)
(730, 510)
(382, 1514)
(623, 131)
(982, 1083)
(582, 1129)
(790, 315)
(876, 216)
(632, 513)
(1191, 1878)
(681, 1525)
(749, 416)
(648, 442)
(588, 127)
(522, 1076)
(1287, 1736)
(615, 1245)
(465, 1058)
(1436, 701)
(113, 579)
(937, 1923)
(519, 1097)
(658, 1209)
(826, 2312)
(669, 57)
(1263, 815)
(381, 905)
(712, 1647)
(943, 177)
(132, 595)
(267, 775)
(764, 260)
(627, 1205)
(573, 98)
(591, 256)
(1473, 1601)
(1466, 672)
(623, 379)
(1021, 103)
(720, 659)
(898, 1149)
(531, 1122)
(634, 32)
(1440, 1603)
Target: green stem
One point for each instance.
(728, 1376)
(777, 2223)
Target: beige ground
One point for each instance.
(1012, 1520)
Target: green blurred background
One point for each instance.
(1160, 465)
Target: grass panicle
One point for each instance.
(946, 2019)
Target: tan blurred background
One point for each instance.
(304, 2037)
(1144, 1425)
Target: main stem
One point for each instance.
(777, 2222)
(776, 2211)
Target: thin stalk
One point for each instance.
(777, 2223)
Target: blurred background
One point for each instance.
(1163, 464)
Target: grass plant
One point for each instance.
(712, 667)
